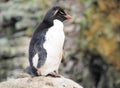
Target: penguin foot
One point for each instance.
(54, 74)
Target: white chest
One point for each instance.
(55, 36)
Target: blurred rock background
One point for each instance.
(92, 46)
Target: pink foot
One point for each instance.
(54, 74)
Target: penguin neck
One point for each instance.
(44, 25)
(58, 23)
(52, 23)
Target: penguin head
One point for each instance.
(58, 13)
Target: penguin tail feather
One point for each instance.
(31, 70)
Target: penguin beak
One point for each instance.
(68, 17)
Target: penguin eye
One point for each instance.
(61, 12)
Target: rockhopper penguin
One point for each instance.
(46, 45)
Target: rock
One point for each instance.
(40, 82)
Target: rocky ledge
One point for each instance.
(40, 82)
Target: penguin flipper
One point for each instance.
(42, 58)
(42, 54)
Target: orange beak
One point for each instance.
(68, 17)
